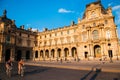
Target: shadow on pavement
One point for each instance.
(83, 78)
(31, 71)
(94, 76)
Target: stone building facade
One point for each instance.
(94, 37)
(15, 43)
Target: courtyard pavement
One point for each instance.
(105, 66)
(55, 70)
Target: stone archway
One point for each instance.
(59, 53)
(47, 54)
(27, 55)
(41, 54)
(74, 52)
(66, 53)
(97, 51)
(7, 54)
(53, 53)
(18, 55)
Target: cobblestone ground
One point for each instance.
(47, 73)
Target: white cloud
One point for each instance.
(110, 4)
(118, 17)
(116, 7)
(34, 29)
(28, 25)
(62, 10)
(118, 29)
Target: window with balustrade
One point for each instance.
(95, 35)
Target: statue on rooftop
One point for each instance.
(4, 13)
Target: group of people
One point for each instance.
(9, 65)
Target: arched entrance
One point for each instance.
(47, 54)
(41, 54)
(74, 52)
(18, 55)
(27, 55)
(52, 53)
(97, 51)
(59, 53)
(66, 51)
(7, 55)
(86, 55)
(36, 54)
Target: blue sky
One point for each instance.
(39, 14)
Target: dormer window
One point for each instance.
(93, 15)
(106, 22)
(83, 26)
(55, 34)
(61, 33)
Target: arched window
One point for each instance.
(95, 35)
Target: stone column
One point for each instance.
(62, 53)
(12, 54)
(44, 54)
(38, 55)
(49, 54)
(70, 54)
(92, 50)
(33, 55)
(56, 54)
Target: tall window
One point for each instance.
(36, 54)
(28, 42)
(55, 34)
(108, 34)
(84, 37)
(8, 39)
(95, 35)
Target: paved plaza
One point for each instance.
(82, 70)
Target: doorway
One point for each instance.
(86, 54)
(18, 55)
(97, 51)
(7, 55)
(27, 55)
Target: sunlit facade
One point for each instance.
(94, 37)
